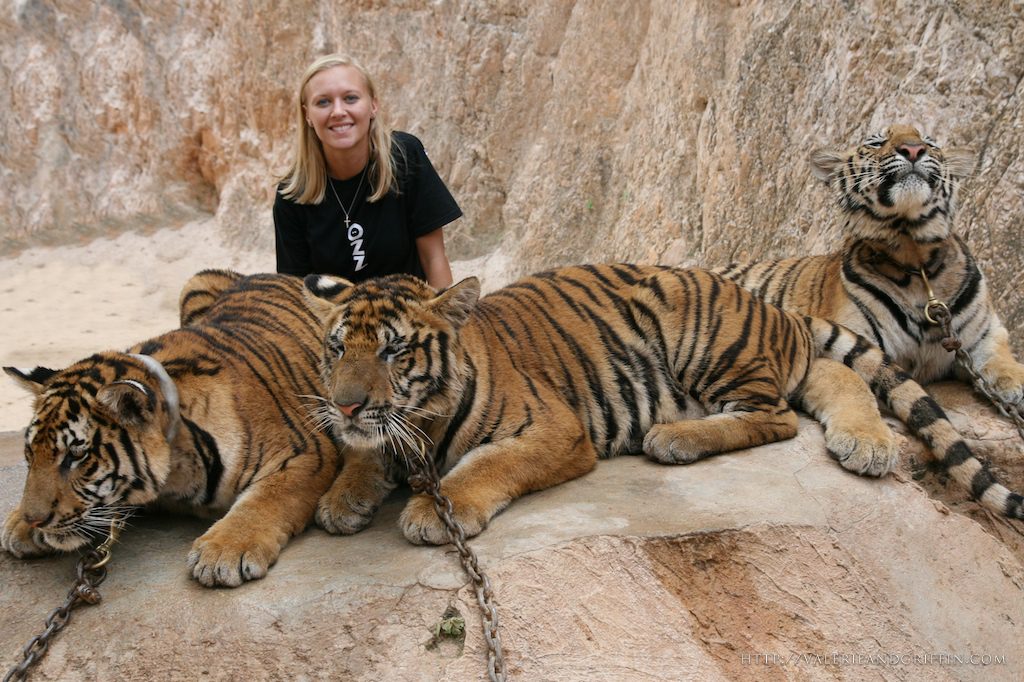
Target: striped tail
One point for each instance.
(918, 410)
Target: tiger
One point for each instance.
(897, 196)
(531, 384)
(208, 418)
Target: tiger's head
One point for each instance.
(895, 183)
(391, 357)
(98, 443)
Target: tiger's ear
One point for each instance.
(31, 379)
(959, 161)
(457, 301)
(322, 293)
(130, 401)
(824, 163)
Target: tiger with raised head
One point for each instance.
(208, 418)
(897, 196)
(528, 386)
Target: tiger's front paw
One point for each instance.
(20, 539)
(872, 452)
(421, 525)
(670, 444)
(344, 513)
(222, 557)
(356, 494)
(1010, 384)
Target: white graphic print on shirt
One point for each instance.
(355, 239)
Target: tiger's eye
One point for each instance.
(73, 457)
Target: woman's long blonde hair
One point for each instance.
(306, 180)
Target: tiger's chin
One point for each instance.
(381, 430)
(355, 436)
(909, 196)
(94, 524)
(401, 448)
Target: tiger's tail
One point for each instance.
(201, 290)
(918, 410)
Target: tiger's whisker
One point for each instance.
(420, 434)
(423, 411)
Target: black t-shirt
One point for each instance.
(381, 240)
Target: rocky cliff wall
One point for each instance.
(569, 131)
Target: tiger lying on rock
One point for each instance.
(207, 418)
(897, 194)
(528, 386)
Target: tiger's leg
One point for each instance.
(490, 476)
(744, 425)
(356, 494)
(855, 433)
(248, 539)
(1001, 369)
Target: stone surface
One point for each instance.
(766, 564)
(569, 132)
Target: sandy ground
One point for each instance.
(59, 305)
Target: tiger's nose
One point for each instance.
(351, 409)
(911, 151)
(350, 398)
(36, 520)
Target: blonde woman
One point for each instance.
(360, 199)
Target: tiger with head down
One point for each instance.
(209, 418)
(897, 196)
(528, 386)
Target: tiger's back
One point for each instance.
(810, 285)
(629, 347)
(248, 355)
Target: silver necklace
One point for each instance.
(355, 198)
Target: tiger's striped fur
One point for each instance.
(897, 193)
(208, 418)
(528, 386)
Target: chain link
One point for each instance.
(425, 479)
(91, 571)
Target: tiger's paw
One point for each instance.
(868, 453)
(222, 558)
(344, 513)
(1010, 385)
(664, 443)
(356, 494)
(421, 525)
(20, 539)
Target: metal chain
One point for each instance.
(424, 479)
(91, 571)
(937, 312)
(952, 343)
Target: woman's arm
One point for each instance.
(293, 256)
(430, 248)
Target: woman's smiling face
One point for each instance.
(339, 107)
